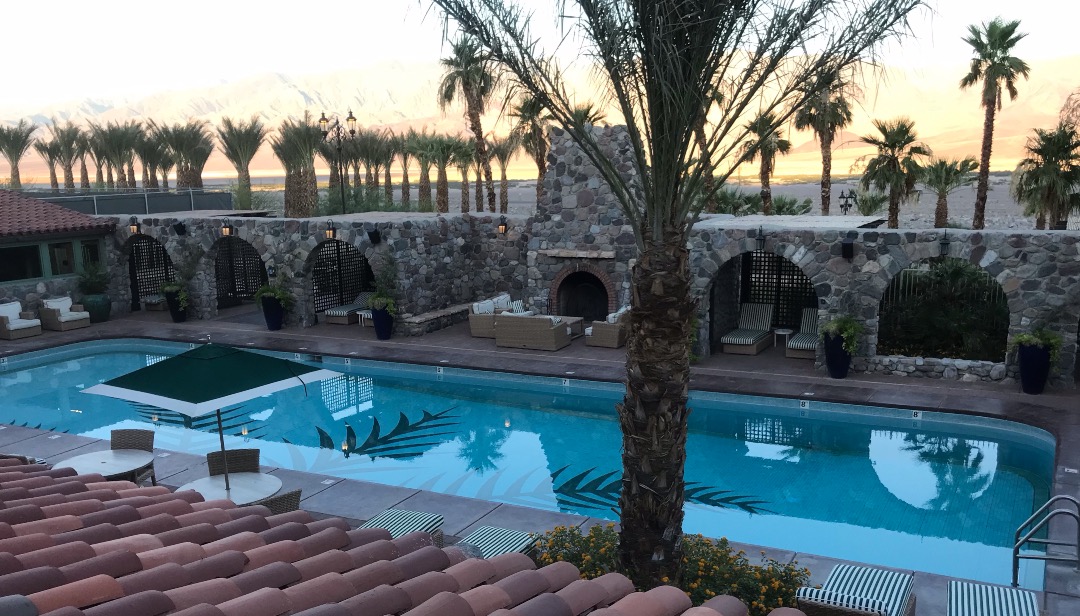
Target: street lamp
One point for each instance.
(845, 201)
(336, 134)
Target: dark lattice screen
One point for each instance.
(339, 274)
(773, 430)
(149, 267)
(240, 271)
(768, 278)
(346, 391)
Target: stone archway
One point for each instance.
(149, 267)
(582, 290)
(239, 271)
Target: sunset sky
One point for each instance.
(132, 49)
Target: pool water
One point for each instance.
(927, 491)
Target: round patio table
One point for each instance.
(109, 463)
(245, 488)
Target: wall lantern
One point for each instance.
(502, 225)
(760, 238)
(331, 231)
(227, 229)
(345, 448)
(945, 243)
(134, 226)
(374, 236)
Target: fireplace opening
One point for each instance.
(581, 294)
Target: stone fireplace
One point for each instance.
(582, 290)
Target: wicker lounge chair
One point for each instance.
(493, 541)
(753, 335)
(16, 323)
(400, 522)
(608, 334)
(852, 590)
(240, 461)
(351, 313)
(803, 345)
(142, 440)
(539, 333)
(969, 599)
(60, 315)
(281, 503)
(482, 314)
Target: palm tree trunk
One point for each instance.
(653, 414)
(84, 175)
(504, 190)
(16, 181)
(442, 192)
(376, 177)
(766, 188)
(121, 175)
(941, 213)
(406, 197)
(165, 179)
(152, 178)
(826, 173)
(979, 220)
(388, 187)
(706, 166)
(465, 206)
(1040, 221)
(356, 175)
(291, 193)
(54, 183)
(333, 194)
(145, 176)
(69, 176)
(894, 209)
(109, 182)
(99, 176)
(424, 199)
(243, 189)
(541, 168)
(472, 104)
(311, 191)
(131, 175)
(478, 190)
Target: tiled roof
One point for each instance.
(25, 217)
(78, 545)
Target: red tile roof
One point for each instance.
(26, 217)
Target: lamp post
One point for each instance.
(845, 201)
(336, 134)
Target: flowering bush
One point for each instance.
(710, 568)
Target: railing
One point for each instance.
(1041, 518)
(114, 202)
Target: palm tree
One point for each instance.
(14, 142)
(944, 176)
(66, 138)
(502, 150)
(419, 145)
(239, 142)
(469, 75)
(441, 151)
(95, 147)
(295, 146)
(896, 167)
(83, 149)
(659, 60)
(532, 127)
(401, 146)
(587, 113)
(996, 69)
(1070, 111)
(387, 152)
(150, 151)
(765, 141)
(50, 152)
(189, 146)
(1047, 180)
(704, 153)
(825, 114)
(463, 158)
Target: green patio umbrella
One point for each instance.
(207, 379)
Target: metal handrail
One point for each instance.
(1020, 537)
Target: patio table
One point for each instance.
(109, 463)
(245, 488)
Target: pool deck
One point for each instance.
(769, 373)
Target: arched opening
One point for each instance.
(149, 267)
(339, 272)
(944, 308)
(239, 272)
(582, 294)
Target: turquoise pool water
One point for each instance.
(926, 491)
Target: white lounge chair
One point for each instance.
(970, 599)
(16, 323)
(60, 315)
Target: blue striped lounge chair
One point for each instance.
(853, 590)
(351, 313)
(400, 522)
(493, 541)
(969, 599)
(803, 345)
(754, 333)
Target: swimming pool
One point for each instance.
(927, 491)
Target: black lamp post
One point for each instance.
(845, 201)
(336, 134)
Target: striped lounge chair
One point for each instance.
(968, 599)
(400, 522)
(803, 345)
(753, 334)
(493, 541)
(351, 313)
(854, 590)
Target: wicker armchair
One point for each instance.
(142, 440)
(609, 335)
(281, 503)
(60, 315)
(15, 323)
(240, 461)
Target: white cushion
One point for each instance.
(517, 305)
(63, 304)
(588, 331)
(555, 320)
(615, 316)
(502, 302)
(485, 307)
(10, 310)
(524, 313)
(69, 316)
(14, 324)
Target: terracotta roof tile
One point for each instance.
(25, 217)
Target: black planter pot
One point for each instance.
(837, 359)
(384, 323)
(178, 314)
(1034, 368)
(273, 312)
(98, 305)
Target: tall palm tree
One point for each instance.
(401, 146)
(944, 176)
(95, 148)
(133, 134)
(470, 75)
(658, 60)
(701, 141)
(825, 114)
(896, 168)
(441, 151)
(463, 158)
(997, 69)
(419, 145)
(150, 151)
(387, 152)
(239, 142)
(67, 138)
(765, 142)
(83, 150)
(14, 143)
(588, 113)
(50, 152)
(1047, 180)
(532, 127)
(295, 146)
(189, 146)
(502, 150)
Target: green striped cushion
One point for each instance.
(803, 342)
(967, 599)
(492, 541)
(755, 316)
(828, 597)
(890, 587)
(400, 522)
(343, 311)
(809, 322)
(743, 336)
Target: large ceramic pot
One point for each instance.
(1034, 367)
(273, 312)
(98, 305)
(837, 359)
(178, 313)
(384, 323)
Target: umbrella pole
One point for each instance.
(224, 457)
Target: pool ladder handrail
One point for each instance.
(1043, 520)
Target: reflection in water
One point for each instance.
(933, 472)
(480, 448)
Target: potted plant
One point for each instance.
(1036, 353)
(177, 299)
(93, 283)
(382, 315)
(275, 300)
(841, 339)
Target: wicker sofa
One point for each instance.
(16, 323)
(60, 315)
(540, 332)
(482, 314)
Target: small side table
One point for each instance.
(781, 331)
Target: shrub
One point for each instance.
(710, 568)
(846, 326)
